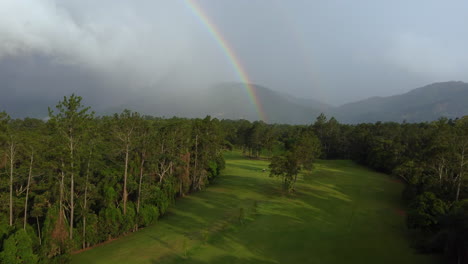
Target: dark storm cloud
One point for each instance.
(338, 51)
(109, 47)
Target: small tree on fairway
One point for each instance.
(307, 149)
(287, 167)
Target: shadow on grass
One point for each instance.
(276, 227)
(274, 213)
(221, 259)
(250, 168)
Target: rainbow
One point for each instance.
(230, 54)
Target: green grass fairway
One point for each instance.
(341, 213)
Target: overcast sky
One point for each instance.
(334, 51)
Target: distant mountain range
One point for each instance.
(445, 99)
(231, 101)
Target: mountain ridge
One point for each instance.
(427, 103)
(231, 100)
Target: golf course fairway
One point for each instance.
(340, 213)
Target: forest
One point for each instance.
(76, 179)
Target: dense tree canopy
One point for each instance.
(76, 180)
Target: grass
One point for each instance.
(341, 213)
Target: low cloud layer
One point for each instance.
(113, 51)
(428, 57)
(135, 43)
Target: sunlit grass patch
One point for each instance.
(340, 213)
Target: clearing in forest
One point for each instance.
(340, 213)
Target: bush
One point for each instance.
(426, 211)
(17, 249)
(109, 222)
(56, 245)
(148, 215)
(128, 219)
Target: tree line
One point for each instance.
(76, 180)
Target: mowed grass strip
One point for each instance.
(340, 213)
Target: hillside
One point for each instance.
(446, 99)
(231, 101)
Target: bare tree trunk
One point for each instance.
(72, 188)
(38, 230)
(163, 170)
(125, 180)
(440, 173)
(460, 176)
(141, 179)
(62, 186)
(458, 189)
(180, 188)
(86, 200)
(12, 158)
(27, 191)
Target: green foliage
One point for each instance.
(454, 232)
(287, 168)
(426, 211)
(148, 215)
(156, 196)
(110, 196)
(215, 166)
(307, 149)
(92, 230)
(129, 219)
(5, 230)
(18, 249)
(303, 147)
(90, 176)
(110, 221)
(55, 243)
(207, 143)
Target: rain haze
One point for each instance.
(112, 51)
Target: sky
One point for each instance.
(111, 51)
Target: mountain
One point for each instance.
(234, 101)
(444, 99)
(230, 101)
(307, 102)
